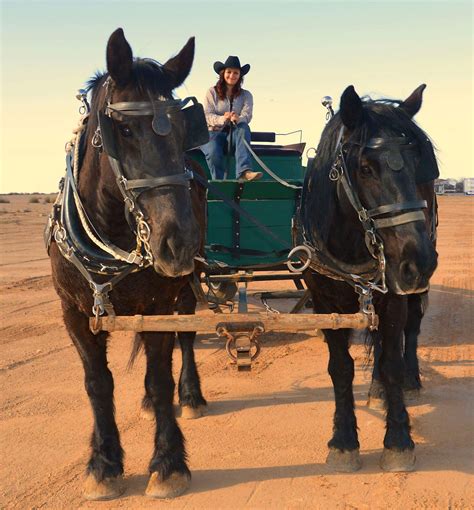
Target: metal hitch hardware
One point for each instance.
(242, 343)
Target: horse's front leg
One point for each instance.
(344, 445)
(192, 402)
(417, 304)
(105, 467)
(170, 475)
(399, 453)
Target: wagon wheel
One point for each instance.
(222, 292)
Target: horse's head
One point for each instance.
(386, 155)
(143, 132)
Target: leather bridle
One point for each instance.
(162, 111)
(390, 148)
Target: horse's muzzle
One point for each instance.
(414, 271)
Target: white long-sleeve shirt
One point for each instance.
(214, 108)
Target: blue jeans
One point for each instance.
(214, 151)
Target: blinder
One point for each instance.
(195, 126)
(427, 169)
(391, 150)
(106, 126)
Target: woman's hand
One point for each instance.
(234, 117)
(228, 115)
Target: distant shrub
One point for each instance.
(48, 200)
(34, 200)
(27, 210)
(4, 200)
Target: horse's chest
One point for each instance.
(138, 293)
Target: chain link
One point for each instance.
(366, 305)
(143, 238)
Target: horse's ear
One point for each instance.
(351, 108)
(119, 58)
(178, 68)
(412, 103)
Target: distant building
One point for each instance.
(468, 185)
(439, 187)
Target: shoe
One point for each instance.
(249, 175)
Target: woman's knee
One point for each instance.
(243, 126)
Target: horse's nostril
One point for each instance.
(408, 272)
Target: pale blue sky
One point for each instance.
(299, 51)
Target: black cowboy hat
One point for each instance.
(231, 62)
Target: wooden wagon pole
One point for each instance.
(206, 323)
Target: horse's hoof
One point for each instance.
(191, 413)
(378, 404)
(344, 461)
(108, 488)
(172, 487)
(147, 414)
(396, 461)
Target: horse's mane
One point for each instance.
(148, 77)
(147, 74)
(380, 117)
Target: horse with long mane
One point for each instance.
(123, 239)
(366, 219)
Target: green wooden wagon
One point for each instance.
(237, 249)
(233, 241)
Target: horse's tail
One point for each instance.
(137, 346)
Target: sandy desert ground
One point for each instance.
(263, 443)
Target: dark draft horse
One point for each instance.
(175, 213)
(391, 165)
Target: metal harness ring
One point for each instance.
(296, 249)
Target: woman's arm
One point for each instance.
(247, 109)
(210, 110)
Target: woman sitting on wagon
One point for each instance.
(228, 108)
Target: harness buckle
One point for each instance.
(363, 215)
(336, 170)
(96, 141)
(60, 235)
(129, 204)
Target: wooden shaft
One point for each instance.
(206, 323)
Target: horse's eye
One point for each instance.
(366, 171)
(125, 130)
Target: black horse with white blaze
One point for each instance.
(364, 220)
